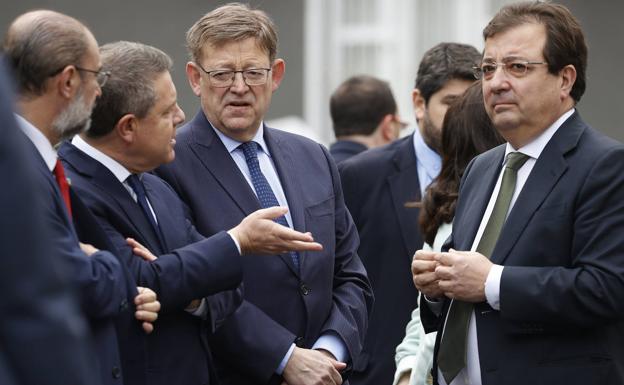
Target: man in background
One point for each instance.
(364, 115)
(382, 189)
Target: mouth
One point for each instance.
(238, 104)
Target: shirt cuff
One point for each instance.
(199, 311)
(282, 365)
(492, 286)
(404, 366)
(435, 305)
(331, 342)
(236, 243)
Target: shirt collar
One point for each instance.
(43, 145)
(231, 145)
(537, 145)
(120, 172)
(428, 158)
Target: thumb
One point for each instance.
(339, 365)
(272, 212)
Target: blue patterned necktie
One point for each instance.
(263, 188)
(139, 189)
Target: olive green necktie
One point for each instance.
(452, 352)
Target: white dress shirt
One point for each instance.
(41, 143)
(471, 374)
(329, 341)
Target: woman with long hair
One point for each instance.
(466, 132)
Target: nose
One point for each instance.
(499, 80)
(179, 116)
(238, 84)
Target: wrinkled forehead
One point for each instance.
(525, 41)
(250, 47)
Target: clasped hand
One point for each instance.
(455, 274)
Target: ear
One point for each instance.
(193, 73)
(67, 82)
(568, 78)
(277, 73)
(386, 128)
(420, 107)
(126, 128)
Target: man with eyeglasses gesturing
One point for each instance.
(531, 288)
(304, 314)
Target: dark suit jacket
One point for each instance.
(330, 293)
(106, 289)
(345, 149)
(377, 185)
(562, 290)
(44, 337)
(189, 267)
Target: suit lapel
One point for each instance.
(162, 212)
(547, 171)
(288, 176)
(101, 177)
(405, 187)
(213, 155)
(464, 232)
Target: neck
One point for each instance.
(113, 148)
(40, 113)
(367, 141)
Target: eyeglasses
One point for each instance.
(100, 76)
(516, 68)
(225, 78)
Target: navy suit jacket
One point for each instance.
(106, 289)
(344, 149)
(188, 267)
(377, 185)
(562, 290)
(44, 337)
(330, 293)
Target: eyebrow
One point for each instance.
(448, 99)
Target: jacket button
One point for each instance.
(123, 305)
(299, 342)
(116, 372)
(305, 290)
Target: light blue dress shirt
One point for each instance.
(428, 162)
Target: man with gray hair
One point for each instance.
(364, 115)
(395, 178)
(56, 61)
(304, 314)
(132, 132)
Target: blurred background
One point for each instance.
(325, 41)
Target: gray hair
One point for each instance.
(40, 44)
(129, 90)
(232, 22)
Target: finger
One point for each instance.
(448, 259)
(288, 234)
(335, 374)
(147, 316)
(425, 279)
(423, 266)
(424, 255)
(153, 306)
(147, 327)
(272, 212)
(444, 272)
(303, 246)
(145, 295)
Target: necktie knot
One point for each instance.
(250, 149)
(515, 160)
(136, 185)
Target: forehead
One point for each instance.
(453, 87)
(92, 56)
(524, 41)
(231, 53)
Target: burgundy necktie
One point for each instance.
(59, 173)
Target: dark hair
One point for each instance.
(40, 44)
(444, 62)
(130, 89)
(565, 42)
(466, 132)
(359, 104)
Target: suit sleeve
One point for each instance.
(352, 295)
(99, 278)
(590, 290)
(202, 268)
